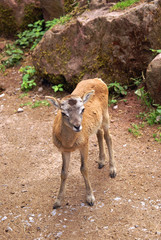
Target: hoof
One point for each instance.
(90, 200)
(101, 165)
(57, 204)
(113, 173)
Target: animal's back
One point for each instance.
(97, 107)
(91, 84)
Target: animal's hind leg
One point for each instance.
(102, 155)
(110, 149)
(108, 140)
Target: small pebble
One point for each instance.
(4, 218)
(9, 229)
(20, 110)
(115, 107)
(40, 89)
(31, 220)
(117, 199)
(105, 227)
(53, 212)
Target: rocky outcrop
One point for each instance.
(16, 15)
(111, 45)
(52, 8)
(153, 79)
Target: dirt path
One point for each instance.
(128, 207)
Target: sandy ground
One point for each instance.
(127, 207)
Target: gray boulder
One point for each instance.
(113, 45)
(153, 79)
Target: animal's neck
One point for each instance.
(68, 136)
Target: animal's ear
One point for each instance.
(54, 101)
(87, 96)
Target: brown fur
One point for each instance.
(95, 120)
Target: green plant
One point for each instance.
(13, 55)
(2, 68)
(40, 103)
(112, 100)
(153, 116)
(144, 96)
(32, 36)
(58, 87)
(136, 81)
(117, 88)
(55, 21)
(26, 104)
(135, 129)
(157, 136)
(36, 104)
(23, 95)
(28, 39)
(123, 4)
(155, 51)
(28, 78)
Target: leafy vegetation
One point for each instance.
(58, 87)
(28, 78)
(12, 56)
(156, 51)
(144, 96)
(40, 103)
(36, 104)
(153, 114)
(157, 135)
(117, 88)
(123, 4)
(14, 53)
(116, 91)
(136, 81)
(32, 36)
(23, 95)
(135, 129)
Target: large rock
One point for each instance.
(153, 79)
(16, 15)
(111, 45)
(52, 8)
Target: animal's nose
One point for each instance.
(77, 128)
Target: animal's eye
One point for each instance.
(83, 110)
(63, 114)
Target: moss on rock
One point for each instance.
(68, 5)
(8, 25)
(31, 15)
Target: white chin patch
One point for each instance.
(77, 129)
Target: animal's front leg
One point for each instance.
(84, 170)
(64, 174)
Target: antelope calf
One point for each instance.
(81, 114)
